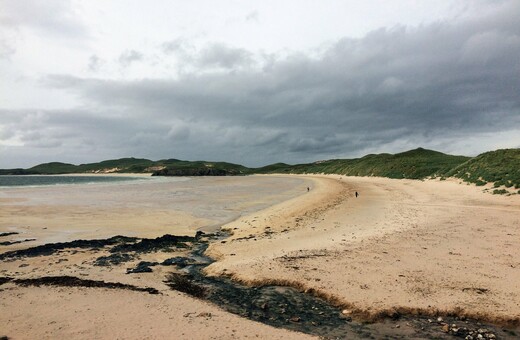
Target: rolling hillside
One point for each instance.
(500, 167)
(415, 164)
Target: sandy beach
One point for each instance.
(428, 247)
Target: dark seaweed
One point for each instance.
(71, 281)
(8, 243)
(8, 233)
(147, 245)
(51, 248)
(113, 259)
(184, 283)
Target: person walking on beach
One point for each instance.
(308, 189)
(357, 194)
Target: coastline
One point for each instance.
(402, 246)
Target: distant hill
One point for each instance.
(200, 168)
(500, 167)
(165, 167)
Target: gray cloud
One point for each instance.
(128, 57)
(55, 17)
(447, 86)
(6, 50)
(220, 55)
(94, 63)
(252, 16)
(216, 55)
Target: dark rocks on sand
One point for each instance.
(178, 261)
(142, 267)
(113, 259)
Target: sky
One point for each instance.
(255, 82)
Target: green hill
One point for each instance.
(53, 168)
(415, 164)
(501, 167)
(115, 165)
(176, 167)
(166, 167)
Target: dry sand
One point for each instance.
(401, 245)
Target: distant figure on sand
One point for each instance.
(308, 189)
(357, 194)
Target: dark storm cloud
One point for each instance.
(393, 89)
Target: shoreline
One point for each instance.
(399, 249)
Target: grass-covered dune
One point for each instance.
(415, 164)
(500, 167)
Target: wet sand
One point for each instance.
(150, 207)
(408, 246)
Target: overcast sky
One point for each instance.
(255, 82)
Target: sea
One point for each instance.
(48, 180)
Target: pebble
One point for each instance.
(295, 319)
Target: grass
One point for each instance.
(500, 167)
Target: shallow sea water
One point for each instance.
(220, 199)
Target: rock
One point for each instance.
(295, 319)
(346, 312)
(177, 261)
(142, 267)
(204, 315)
(397, 326)
(439, 319)
(446, 328)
